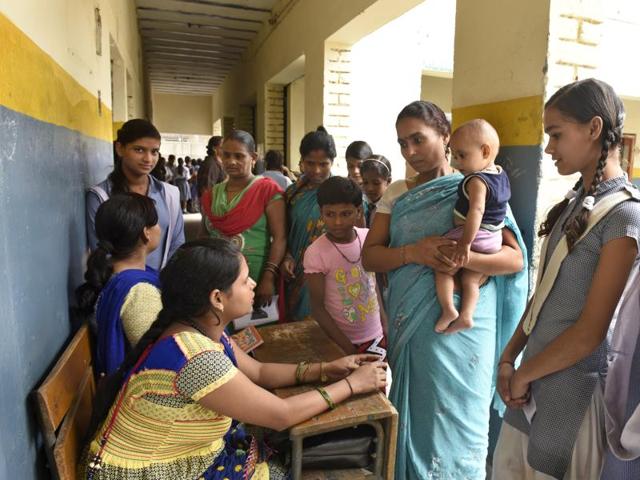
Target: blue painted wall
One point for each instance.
(44, 171)
(522, 163)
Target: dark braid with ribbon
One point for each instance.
(582, 101)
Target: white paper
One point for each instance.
(529, 409)
(247, 320)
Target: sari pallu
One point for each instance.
(244, 222)
(443, 385)
(112, 345)
(305, 226)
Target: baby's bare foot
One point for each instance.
(463, 322)
(448, 316)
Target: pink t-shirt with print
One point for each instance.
(349, 292)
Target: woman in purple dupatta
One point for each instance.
(123, 290)
(622, 389)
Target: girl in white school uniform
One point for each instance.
(554, 424)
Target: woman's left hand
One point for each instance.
(449, 251)
(264, 291)
(342, 367)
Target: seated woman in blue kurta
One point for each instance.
(122, 289)
(443, 383)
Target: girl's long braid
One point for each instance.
(554, 214)
(576, 227)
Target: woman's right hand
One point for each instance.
(287, 267)
(427, 252)
(505, 374)
(369, 377)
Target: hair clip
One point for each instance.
(571, 194)
(588, 202)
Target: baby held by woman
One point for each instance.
(483, 196)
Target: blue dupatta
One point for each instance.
(112, 343)
(443, 385)
(305, 226)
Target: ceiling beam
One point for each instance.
(192, 70)
(168, 56)
(204, 8)
(170, 40)
(158, 47)
(167, 88)
(187, 18)
(194, 28)
(258, 5)
(157, 63)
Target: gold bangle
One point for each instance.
(299, 371)
(403, 254)
(326, 397)
(323, 376)
(506, 361)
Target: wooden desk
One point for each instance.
(294, 342)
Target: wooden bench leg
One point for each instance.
(296, 458)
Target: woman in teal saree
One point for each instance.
(443, 384)
(317, 151)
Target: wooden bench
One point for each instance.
(294, 342)
(64, 402)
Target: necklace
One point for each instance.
(343, 255)
(194, 326)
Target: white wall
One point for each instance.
(187, 114)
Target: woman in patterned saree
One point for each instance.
(442, 383)
(171, 411)
(317, 151)
(248, 210)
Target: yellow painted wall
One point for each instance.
(438, 90)
(56, 27)
(187, 114)
(302, 30)
(632, 125)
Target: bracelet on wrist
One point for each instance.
(326, 397)
(323, 375)
(301, 371)
(403, 254)
(350, 387)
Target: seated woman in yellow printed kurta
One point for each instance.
(172, 409)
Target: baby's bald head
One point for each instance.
(480, 132)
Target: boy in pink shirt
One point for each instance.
(344, 298)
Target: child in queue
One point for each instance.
(355, 154)
(344, 298)
(376, 177)
(479, 213)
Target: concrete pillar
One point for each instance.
(337, 99)
(295, 121)
(500, 64)
(245, 119)
(314, 73)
